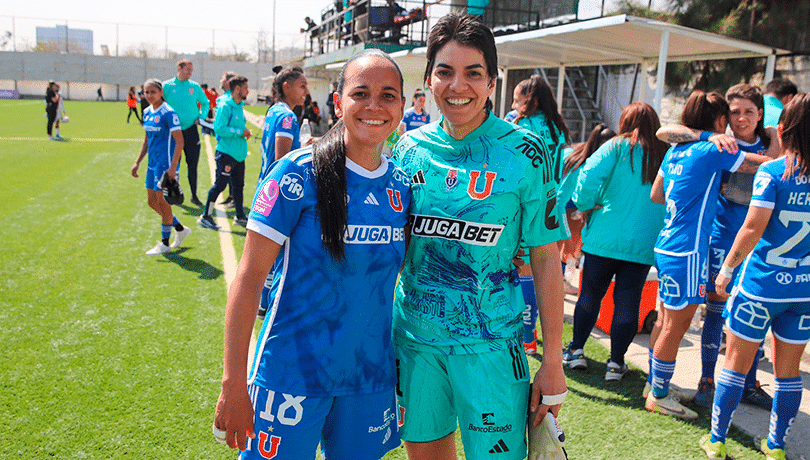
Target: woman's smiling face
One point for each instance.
(461, 85)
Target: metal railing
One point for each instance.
(607, 99)
(579, 107)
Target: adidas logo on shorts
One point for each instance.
(499, 448)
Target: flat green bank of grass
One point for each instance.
(109, 353)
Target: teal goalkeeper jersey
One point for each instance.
(472, 201)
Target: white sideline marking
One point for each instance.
(229, 262)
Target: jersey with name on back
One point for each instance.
(778, 269)
(280, 121)
(328, 331)
(473, 199)
(691, 173)
(159, 125)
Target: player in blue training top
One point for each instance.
(415, 116)
(687, 183)
(280, 135)
(772, 291)
(749, 135)
(163, 143)
(324, 368)
(479, 185)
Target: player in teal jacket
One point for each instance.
(232, 135)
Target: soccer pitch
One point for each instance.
(109, 353)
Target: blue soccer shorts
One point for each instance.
(153, 176)
(749, 319)
(484, 394)
(354, 427)
(720, 243)
(681, 279)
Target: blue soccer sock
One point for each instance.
(726, 399)
(165, 233)
(531, 313)
(661, 375)
(649, 365)
(176, 224)
(751, 378)
(786, 401)
(711, 337)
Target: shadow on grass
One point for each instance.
(591, 384)
(203, 268)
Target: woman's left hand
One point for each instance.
(549, 380)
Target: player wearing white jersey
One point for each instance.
(324, 367)
(773, 285)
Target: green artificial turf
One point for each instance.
(109, 353)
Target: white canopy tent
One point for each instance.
(613, 40)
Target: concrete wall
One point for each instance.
(80, 75)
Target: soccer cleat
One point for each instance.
(714, 450)
(196, 201)
(669, 405)
(180, 237)
(58, 137)
(159, 249)
(530, 347)
(240, 221)
(206, 221)
(680, 395)
(575, 359)
(771, 454)
(705, 392)
(615, 372)
(756, 396)
(227, 200)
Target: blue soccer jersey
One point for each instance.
(280, 121)
(415, 120)
(159, 125)
(473, 200)
(732, 203)
(692, 173)
(328, 332)
(778, 269)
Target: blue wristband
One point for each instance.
(704, 135)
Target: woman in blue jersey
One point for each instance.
(479, 185)
(415, 116)
(537, 112)
(614, 188)
(688, 183)
(772, 289)
(281, 134)
(163, 143)
(324, 365)
(745, 120)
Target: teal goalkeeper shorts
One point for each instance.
(484, 394)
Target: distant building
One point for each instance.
(81, 40)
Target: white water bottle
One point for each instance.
(306, 132)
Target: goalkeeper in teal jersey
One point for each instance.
(479, 185)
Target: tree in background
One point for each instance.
(779, 23)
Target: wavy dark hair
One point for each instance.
(329, 161)
(794, 128)
(540, 99)
(639, 123)
(468, 31)
(599, 135)
(703, 109)
(288, 75)
(753, 94)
